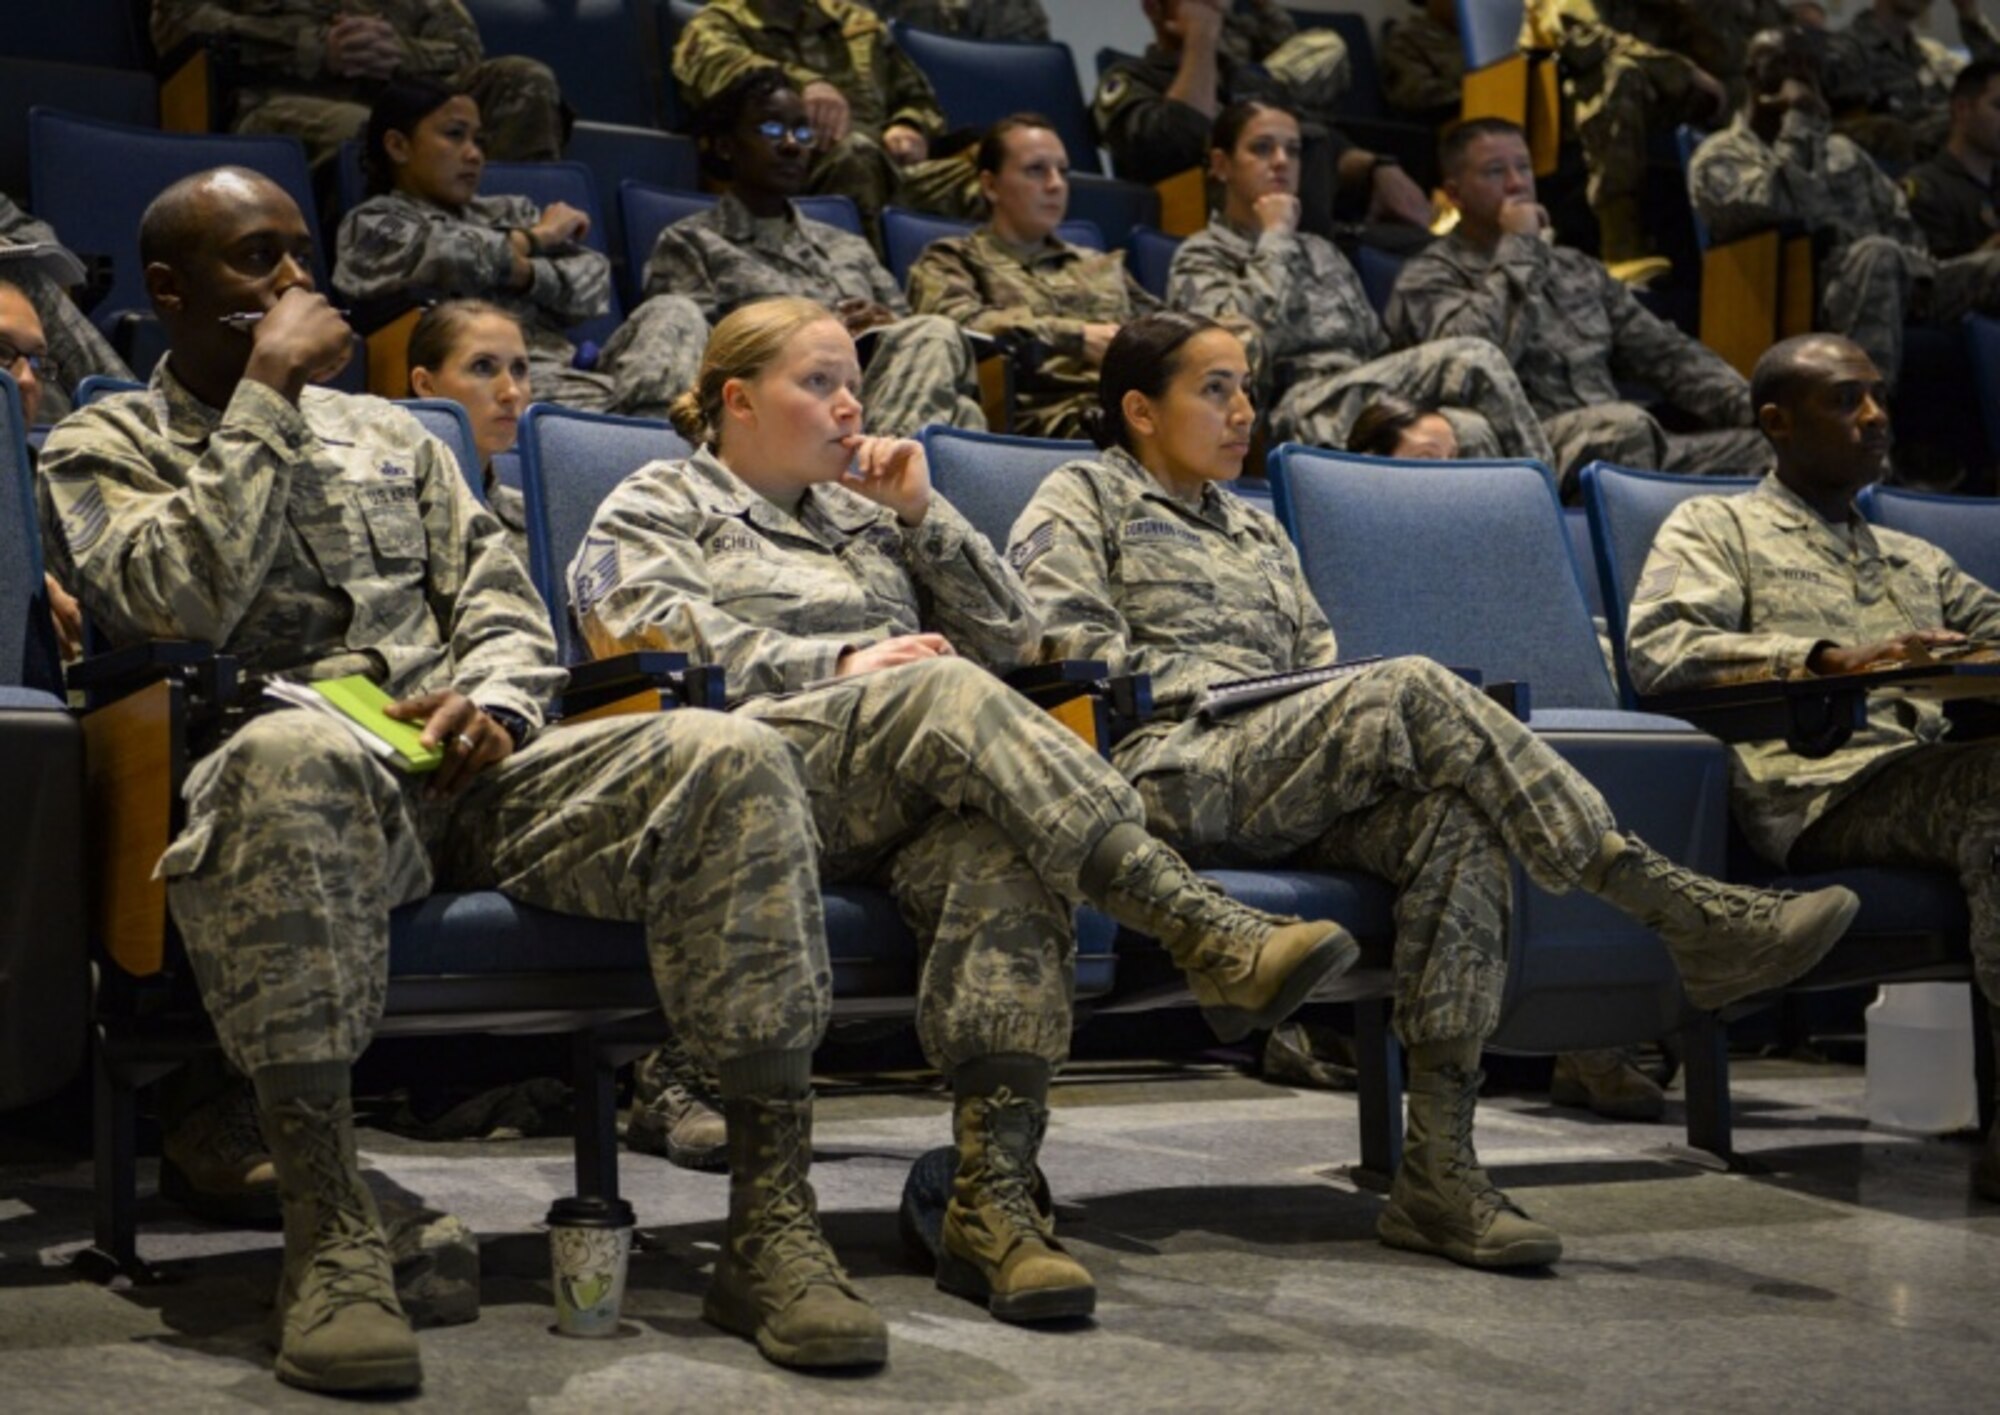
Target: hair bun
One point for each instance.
(686, 416)
(1104, 431)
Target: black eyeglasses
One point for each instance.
(771, 130)
(13, 358)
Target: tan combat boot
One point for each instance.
(1442, 1201)
(676, 1111)
(999, 1245)
(340, 1327)
(213, 1159)
(1728, 940)
(1249, 970)
(1606, 1084)
(777, 1281)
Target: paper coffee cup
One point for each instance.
(590, 1242)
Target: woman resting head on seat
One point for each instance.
(473, 353)
(1393, 426)
(856, 612)
(425, 232)
(1399, 767)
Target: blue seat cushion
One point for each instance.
(28, 700)
(1362, 904)
(1600, 720)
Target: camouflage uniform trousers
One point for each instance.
(976, 809)
(650, 361)
(1628, 435)
(1872, 287)
(520, 109)
(1408, 772)
(1468, 380)
(1935, 807)
(298, 844)
(1615, 101)
(76, 348)
(920, 370)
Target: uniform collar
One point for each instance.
(1231, 237)
(727, 494)
(739, 227)
(1213, 508)
(1786, 508)
(182, 417)
(1049, 248)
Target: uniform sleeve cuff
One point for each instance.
(815, 661)
(1789, 656)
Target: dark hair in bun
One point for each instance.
(1143, 358)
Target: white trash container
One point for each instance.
(1920, 1067)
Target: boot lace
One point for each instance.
(350, 1261)
(785, 1238)
(1705, 894)
(1014, 1127)
(1461, 1164)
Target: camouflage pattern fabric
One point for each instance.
(1045, 293)
(1018, 21)
(918, 370)
(287, 87)
(1747, 586)
(1325, 356)
(845, 45)
(337, 537)
(1938, 808)
(1951, 207)
(1571, 332)
(397, 244)
(1402, 768)
(1904, 85)
(1878, 275)
(1423, 66)
(969, 803)
(76, 347)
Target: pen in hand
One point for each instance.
(244, 319)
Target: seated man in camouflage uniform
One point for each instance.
(1617, 85)
(1017, 21)
(1780, 162)
(1570, 330)
(755, 244)
(1154, 112)
(312, 534)
(1323, 351)
(1890, 86)
(311, 69)
(1016, 279)
(73, 348)
(1789, 579)
(1951, 196)
(873, 114)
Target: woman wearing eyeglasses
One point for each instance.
(425, 232)
(755, 244)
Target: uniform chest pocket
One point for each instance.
(1164, 589)
(1580, 308)
(395, 526)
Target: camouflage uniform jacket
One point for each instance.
(394, 243)
(1811, 175)
(834, 40)
(1046, 292)
(1953, 208)
(1570, 330)
(1298, 291)
(1190, 594)
(725, 257)
(282, 43)
(1907, 77)
(330, 538)
(1151, 136)
(1423, 63)
(1747, 586)
(1018, 21)
(16, 225)
(685, 556)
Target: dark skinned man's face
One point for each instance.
(1833, 435)
(254, 247)
(761, 163)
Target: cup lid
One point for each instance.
(590, 1211)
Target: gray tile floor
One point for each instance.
(1237, 1270)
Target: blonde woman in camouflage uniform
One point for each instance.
(427, 232)
(311, 535)
(858, 614)
(1402, 769)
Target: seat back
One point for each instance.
(670, 17)
(28, 656)
(1379, 271)
(1151, 256)
(1465, 562)
(905, 233)
(100, 32)
(93, 180)
(1687, 138)
(571, 461)
(1626, 508)
(571, 182)
(103, 385)
(447, 422)
(615, 153)
(990, 477)
(1967, 528)
(118, 95)
(1116, 208)
(979, 82)
(1982, 343)
(1490, 31)
(593, 46)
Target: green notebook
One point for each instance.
(358, 703)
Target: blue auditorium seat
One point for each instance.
(978, 82)
(129, 96)
(1967, 528)
(905, 233)
(1379, 271)
(616, 153)
(593, 46)
(1115, 208)
(447, 422)
(1151, 256)
(1490, 30)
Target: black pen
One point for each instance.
(245, 318)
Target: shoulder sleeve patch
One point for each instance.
(596, 573)
(84, 516)
(1111, 90)
(1658, 582)
(1032, 547)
